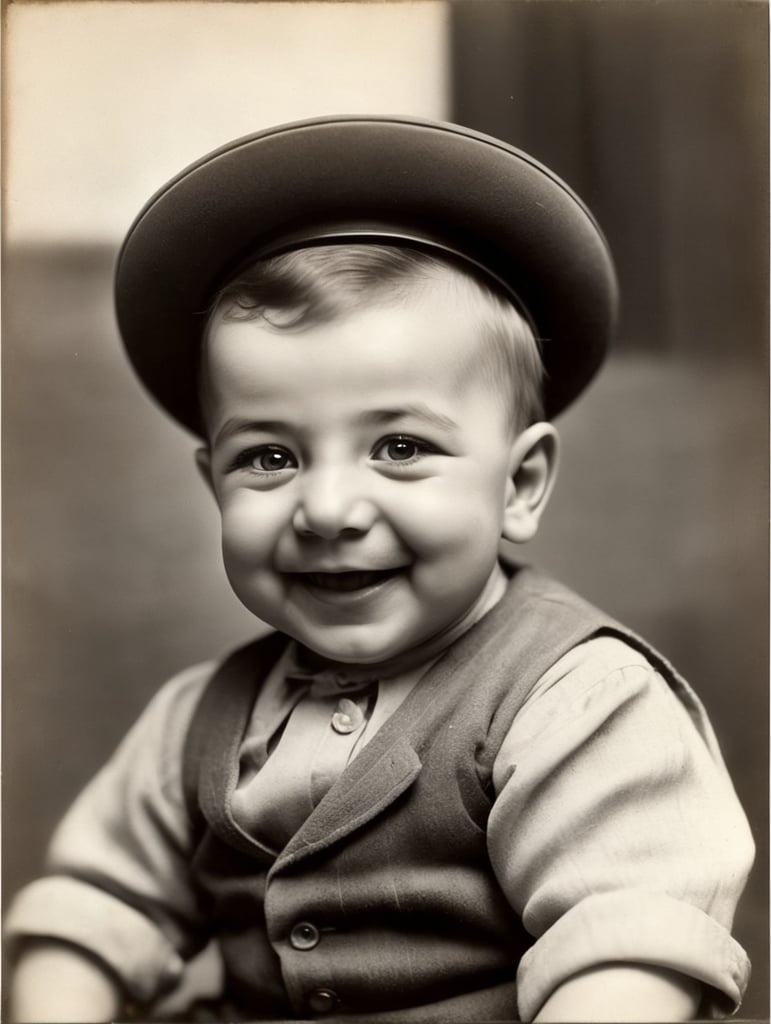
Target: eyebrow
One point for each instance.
(384, 417)
(239, 425)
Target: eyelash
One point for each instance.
(422, 448)
(244, 460)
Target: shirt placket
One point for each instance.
(319, 737)
(348, 715)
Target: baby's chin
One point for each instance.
(364, 655)
(384, 659)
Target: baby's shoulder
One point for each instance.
(206, 687)
(183, 690)
(596, 659)
(608, 675)
(165, 719)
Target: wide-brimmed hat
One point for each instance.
(363, 178)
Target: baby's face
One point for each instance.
(361, 473)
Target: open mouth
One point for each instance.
(347, 582)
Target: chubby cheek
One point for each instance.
(251, 526)
(445, 518)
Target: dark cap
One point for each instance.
(364, 179)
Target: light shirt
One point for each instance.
(323, 721)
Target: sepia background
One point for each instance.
(656, 113)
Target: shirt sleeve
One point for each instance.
(616, 833)
(117, 881)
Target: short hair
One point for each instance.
(318, 283)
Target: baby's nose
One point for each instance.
(333, 502)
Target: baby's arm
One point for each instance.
(115, 916)
(646, 993)
(617, 837)
(55, 982)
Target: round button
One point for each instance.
(322, 1000)
(304, 935)
(348, 717)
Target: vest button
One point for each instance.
(304, 936)
(322, 1000)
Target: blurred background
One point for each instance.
(656, 113)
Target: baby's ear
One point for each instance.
(203, 461)
(533, 470)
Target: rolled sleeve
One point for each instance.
(118, 883)
(638, 927)
(68, 910)
(616, 833)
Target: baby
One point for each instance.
(444, 787)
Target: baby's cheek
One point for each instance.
(444, 518)
(247, 530)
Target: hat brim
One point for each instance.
(378, 177)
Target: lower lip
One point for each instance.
(349, 598)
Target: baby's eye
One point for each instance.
(401, 449)
(266, 458)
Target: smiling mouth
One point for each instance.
(346, 582)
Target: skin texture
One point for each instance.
(54, 982)
(628, 992)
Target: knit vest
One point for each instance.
(384, 904)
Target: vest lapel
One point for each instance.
(363, 792)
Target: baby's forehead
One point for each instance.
(415, 366)
(443, 332)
